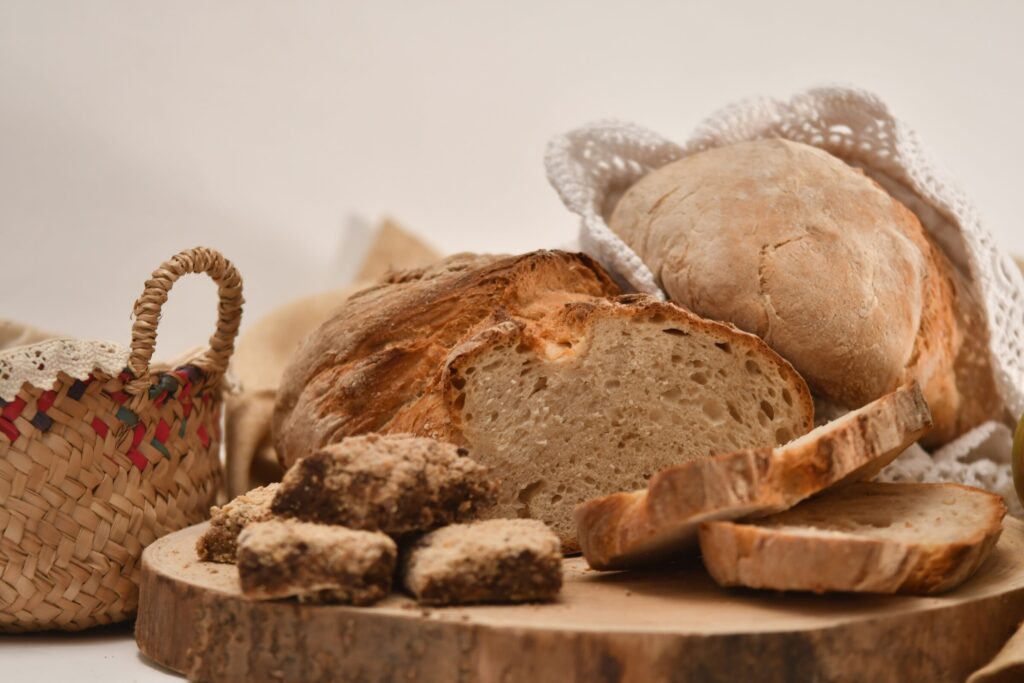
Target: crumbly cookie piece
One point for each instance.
(315, 562)
(220, 541)
(397, 484)
(498, 560)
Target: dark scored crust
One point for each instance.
(397, 484)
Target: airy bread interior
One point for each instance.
(604, 411)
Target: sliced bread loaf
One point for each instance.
(614, 391)
(534, 365)
(641, 527)
(868, 537)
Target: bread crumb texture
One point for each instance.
(498, 560)
(639, 385)
(315, 562)
(219, 542)
(397, 484)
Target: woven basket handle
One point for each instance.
(214, 360)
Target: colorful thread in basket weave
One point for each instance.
(174, 385)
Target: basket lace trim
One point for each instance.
(39, 364)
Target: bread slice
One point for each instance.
(867, 538)
(613, 391)
(641, 527)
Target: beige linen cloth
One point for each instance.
(263, 352)
(1007, 667)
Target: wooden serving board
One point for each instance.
(665, 625)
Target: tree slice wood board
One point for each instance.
(672, 624)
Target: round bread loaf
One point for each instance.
(790, 243)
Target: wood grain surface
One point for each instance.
(665, 625)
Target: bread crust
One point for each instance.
(738, 554)
(643, 527)
(979, 397)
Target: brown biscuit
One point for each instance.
(220, 541)
(396, 484)
(315, 562)
(498, 560)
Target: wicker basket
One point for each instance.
(93, 469)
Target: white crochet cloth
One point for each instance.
(591, 166)
(39, 364)
(31, 356)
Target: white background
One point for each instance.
(130, 130)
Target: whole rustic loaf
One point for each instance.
(563, 392)
(790, 243)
